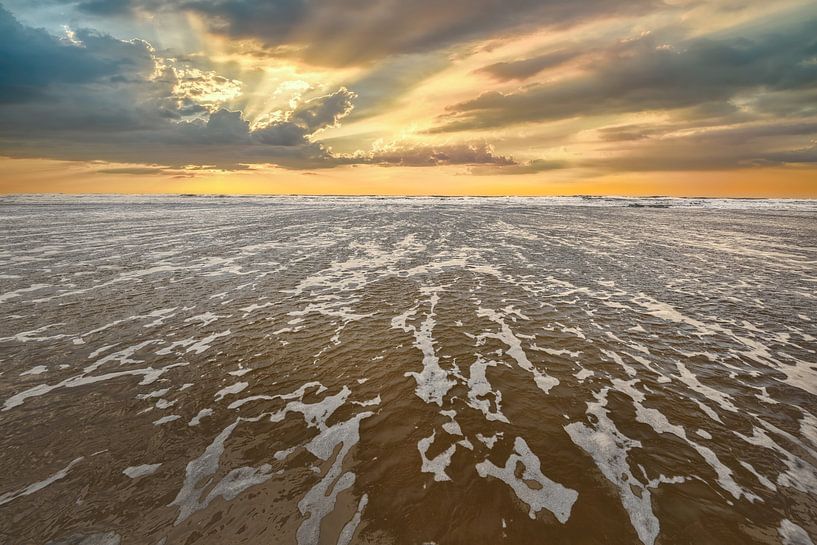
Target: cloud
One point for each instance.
(344, 32)
(526, 68)
(306, 120)
(202, 90)
(132, 171)
(324, 112)
(534, 166)
(33, 62)
(413, 155)
(649, 74)
(676, 98)
(95, 97)
(721, 148)
(127, 104)
(224, 127)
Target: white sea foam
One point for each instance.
(583, 374)
(191, 496)
(231, 390)
(609, 448)
(658, 422)
(39, 485)
(196, 420)
(153, 394)
(792, 534)
(35, 335)
(163, 404)
(436, 466)
(205, 343)
(19, 292)
(479, 388)
(315, 414)
(205, 319)
(149, 375)
(548, 495)
(515, 350)
(134, 472)
(691, 380)
(349, 529)
(320, 499)
(489, 441)
(433, 382)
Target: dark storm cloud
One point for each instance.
(103, 99)
(32, 61)
(646, 74)
(51, 86)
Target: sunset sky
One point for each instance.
(487, 97)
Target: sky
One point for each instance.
(409, 97)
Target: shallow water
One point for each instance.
(366, 370)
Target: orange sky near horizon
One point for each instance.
(43, 176)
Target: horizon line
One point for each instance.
(429, 195)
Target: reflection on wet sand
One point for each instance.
(344, 371)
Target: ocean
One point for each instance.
(375, 370)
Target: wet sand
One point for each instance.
(386, 371)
